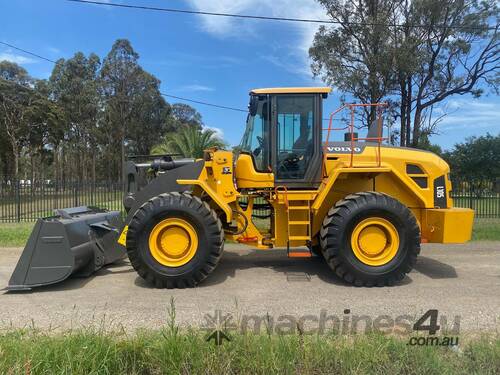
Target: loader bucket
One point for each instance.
(75, 242)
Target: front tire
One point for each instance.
(316, 249)
(370, 239)
(175, 240)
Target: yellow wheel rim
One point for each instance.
(375, 241)
(173, 242)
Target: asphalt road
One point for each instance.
(461, 281)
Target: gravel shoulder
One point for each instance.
(459, 280)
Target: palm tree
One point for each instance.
(189, 141)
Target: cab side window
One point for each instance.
(256, 138)
(295, 135)
(259, 138)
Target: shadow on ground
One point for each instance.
(434, 268)
(293, 270)
(80, 282)
(275, 260)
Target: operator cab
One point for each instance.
(282, 138)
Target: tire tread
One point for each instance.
(213, 228)
(330, 237)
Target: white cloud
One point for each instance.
(16, 58)
(196, 87)
(105, 8)
(235, 27)
(218, 131)
(292, 64)
(474, 104)
(472, 113)
(199, 61)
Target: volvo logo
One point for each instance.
(342, 149)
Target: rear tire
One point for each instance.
(342, 253)
(196, 215)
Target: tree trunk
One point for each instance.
(62, 170)
(122, 163)
(416, 126)
(403, 106)
(32, 162)
(56, 166)
(93, 165)
(408, 110)
(16, 161)
(14, 144)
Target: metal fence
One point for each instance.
(27, 200)
(482, 196)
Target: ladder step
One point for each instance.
(305, 222)
(298, 207)
(299, 238)
(300, 254)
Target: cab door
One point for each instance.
(296, 136)
(253, 166)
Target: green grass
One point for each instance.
(14, 234)
(172, 352)
(486, 229)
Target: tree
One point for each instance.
(150, 120)
(418, 52)
(458, 50)
(119, 77)
(50, 120)
(183, 114)
(189, 141)
(27, 117)
(135, 114)
(87, 116)
(73, 85)
(16, 100)
(477, 160)
(425, 144)
(357, 56)
(5, 152)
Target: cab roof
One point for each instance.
(292, 90)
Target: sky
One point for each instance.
(211, 59)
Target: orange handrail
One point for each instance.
(352, 107)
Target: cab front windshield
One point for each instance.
(255, 140)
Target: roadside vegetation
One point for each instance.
(486, 230)
(14, 234)
(169, 351)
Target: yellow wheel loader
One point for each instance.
(361, 204)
